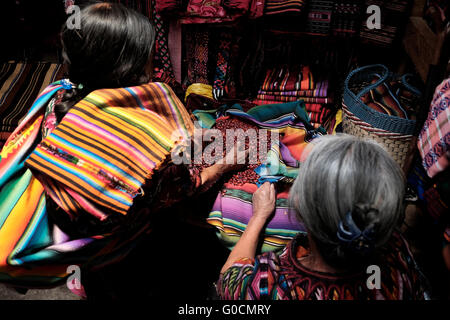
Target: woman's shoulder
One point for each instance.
(399, 269)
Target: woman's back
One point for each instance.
(284, 277)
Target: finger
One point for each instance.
(272, 192)
(266, 185)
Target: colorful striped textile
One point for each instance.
(233, 209)
(382, 99)
(105, 148)
(283, 98)
(434, 138)
(230, 215)
(293, 83)
(317, 113)
(273, 7)
(320, 90)
(93, 156)
(288, 79)
(20, 84)
(23, 218)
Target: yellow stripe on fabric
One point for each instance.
(82, 173)
(92, 140)
(92, 163)
(18, 219)
(137, 134)
(71, 179)
(137, 115)
(25, 237)
(7, 84)
(151, 124)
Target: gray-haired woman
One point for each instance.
(349, 195)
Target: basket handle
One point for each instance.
(407, 85)
(385, 75)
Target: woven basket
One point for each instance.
(394, 133)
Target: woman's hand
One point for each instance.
(264, 201)
(263, 207)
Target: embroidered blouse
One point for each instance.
(283, 277)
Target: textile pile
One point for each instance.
(233, 206)
(287, 84)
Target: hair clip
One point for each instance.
(349, 234)
(67, 84)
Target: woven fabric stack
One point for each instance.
(20, 84)
(287, 84)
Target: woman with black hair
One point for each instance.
(94, 154)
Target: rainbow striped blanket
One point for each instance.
(94, 162)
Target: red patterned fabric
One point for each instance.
(434, 139)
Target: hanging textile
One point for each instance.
(222, 62)
(319, 16)
(434, 138)
(162, 63)
(197, 54)
(20, 84)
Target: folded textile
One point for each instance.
(260, 98)
(320, 90)
(288, 79)
(232, 211)
(317, 113)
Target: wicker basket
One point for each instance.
(394, 133)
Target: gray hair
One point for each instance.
(341, 172)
